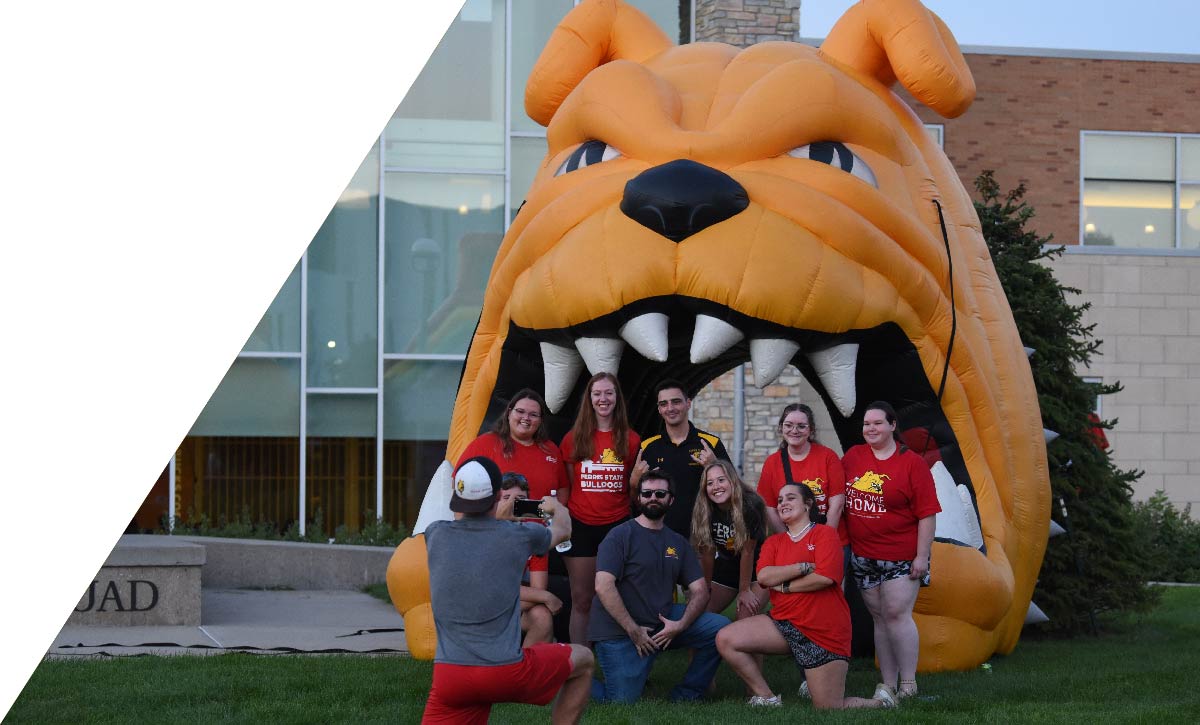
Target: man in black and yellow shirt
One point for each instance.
(683, 451)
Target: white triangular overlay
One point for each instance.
(165, 165)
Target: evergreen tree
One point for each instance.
(1096, 567)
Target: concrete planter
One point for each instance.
(252, 564)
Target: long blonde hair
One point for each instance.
(739, 495)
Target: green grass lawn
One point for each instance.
(1144, 669)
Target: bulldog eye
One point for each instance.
(589, 153)
(836, 154)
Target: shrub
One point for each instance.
(374, 533)
(1170, 538)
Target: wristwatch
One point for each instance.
(786, 586)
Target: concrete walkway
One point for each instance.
(258, 621)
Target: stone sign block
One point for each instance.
(147, 580)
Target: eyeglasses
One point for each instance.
(526, 414)
(657, 493)
(795, 426)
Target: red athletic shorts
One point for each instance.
(465, 693)
(539, 563)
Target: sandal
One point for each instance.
(908, 688)
(885, 694)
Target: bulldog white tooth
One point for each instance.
(957, 519)
(436, 504)
(1049, 435)
(1029, 352)
(1055, 529)
(1035, 615)
(648, 335)
(601, 354)
(836, 367)
(561, 366)
(712, 337)
(768, 357)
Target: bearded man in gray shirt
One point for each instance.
(475, 566)
(637, 567)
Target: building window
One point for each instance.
(1140, 190)
(937, 132)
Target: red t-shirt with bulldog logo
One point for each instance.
(884, 501)
(541, 465)
(820, 470)
(823, 616)
(600, 485)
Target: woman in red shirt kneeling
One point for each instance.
(809, 618)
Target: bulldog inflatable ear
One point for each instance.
(901, 39)
(592, 34)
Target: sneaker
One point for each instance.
(804, 690)
(885, 694)
(760, 701)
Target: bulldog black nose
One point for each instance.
(681, 197)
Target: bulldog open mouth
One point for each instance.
(703, 206)
(694, 341)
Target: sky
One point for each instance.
(1147, 26)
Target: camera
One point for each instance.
(524, 508)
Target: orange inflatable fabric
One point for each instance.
(703, 206)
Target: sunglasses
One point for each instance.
(658, 494)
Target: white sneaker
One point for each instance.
(885, 694)
(804, 690)
(760, 701)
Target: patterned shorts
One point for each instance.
(807, 653)
(870, 573)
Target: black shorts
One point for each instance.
(586, 538)
(807, 654)
(727, 571)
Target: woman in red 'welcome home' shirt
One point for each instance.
(809, 617)
(518, 444)
(890, 506)
(600, 450)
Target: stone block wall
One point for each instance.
(745, 22)
(713, 410)
(1147, 314)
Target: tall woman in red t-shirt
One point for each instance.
(809, 463)
(519, 444)
(890, 507)
(809, 617)
(600, 451)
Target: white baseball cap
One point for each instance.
(476, 483)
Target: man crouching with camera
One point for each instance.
(475, 566)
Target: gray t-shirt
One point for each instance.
(475, 567)
(647, 563)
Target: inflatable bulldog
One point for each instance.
(704, 206)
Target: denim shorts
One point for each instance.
(870, 573)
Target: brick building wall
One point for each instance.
(1029, 110)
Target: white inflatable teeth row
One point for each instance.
(647, 334)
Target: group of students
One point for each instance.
(790, 543)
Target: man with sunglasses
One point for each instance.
(637, 567)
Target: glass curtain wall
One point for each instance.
(337, 408)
